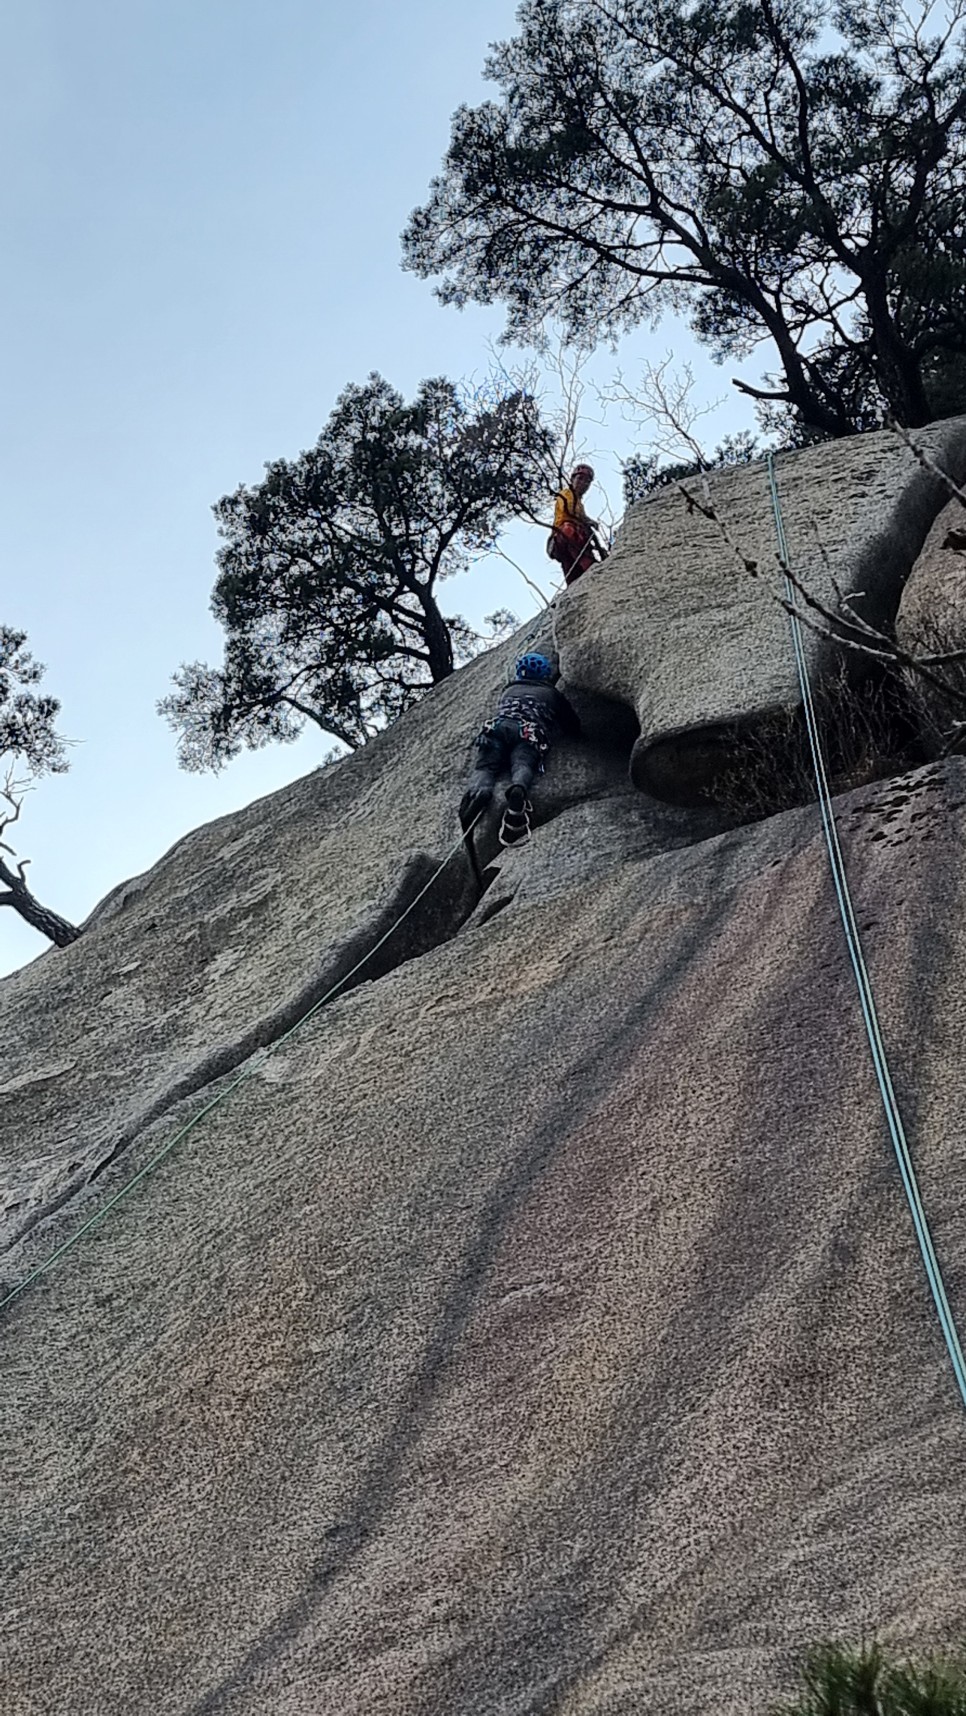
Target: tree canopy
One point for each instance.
(329, 571)
(791, 171)
(27, 731)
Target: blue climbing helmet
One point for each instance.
(535, 667)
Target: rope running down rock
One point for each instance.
(254, 1065)
(863, 982)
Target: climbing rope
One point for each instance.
(254, 1065)
(465, 842)
(863, 982)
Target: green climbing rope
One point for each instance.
(253, 1066)
(863, 981)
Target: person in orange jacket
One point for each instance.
(572, 541)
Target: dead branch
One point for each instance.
(544, 599)
(848, 631)
(17, 894)
(558, 382)
(665, 396)
(929, 464)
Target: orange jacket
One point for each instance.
(569, 506)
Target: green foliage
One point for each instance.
(329, 567)
(791, 171)
(27, 732)
(642, 475)
(838, 1681)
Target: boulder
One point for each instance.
(675, 626)
(932, 621)
(185, 972)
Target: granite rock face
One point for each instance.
(185, 972)
(540, 1327)
(932, 620)
(680, 631)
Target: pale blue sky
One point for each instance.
(201, 203)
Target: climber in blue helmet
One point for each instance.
(530, 715)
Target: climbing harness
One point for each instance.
(527, 715)
(254, 1065)
(591, 540)
(531, 733)
(863, 982)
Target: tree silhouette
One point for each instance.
(791, 171)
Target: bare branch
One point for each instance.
(928, 464)
(665, 396)
(17, 895)
(542, 596)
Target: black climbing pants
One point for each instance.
(501, 748)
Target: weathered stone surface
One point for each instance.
(674, 627)
(186, 971)
(932, 619)
(542, 1329)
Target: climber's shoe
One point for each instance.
(473, 804)
(515, 827)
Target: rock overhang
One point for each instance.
(685, 624)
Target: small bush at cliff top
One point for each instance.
(867, 1681)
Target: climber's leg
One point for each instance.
(491, 754)
(578, 557)
(515, 827)
(524, 762)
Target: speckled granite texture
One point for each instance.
(188, 969)
(541, 1331)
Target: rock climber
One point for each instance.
(530, 715)
(573, 541)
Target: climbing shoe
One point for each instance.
(515, 827)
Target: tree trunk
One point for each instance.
(899, 376)
(50, 924)
(436, 632)
(814, 410)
